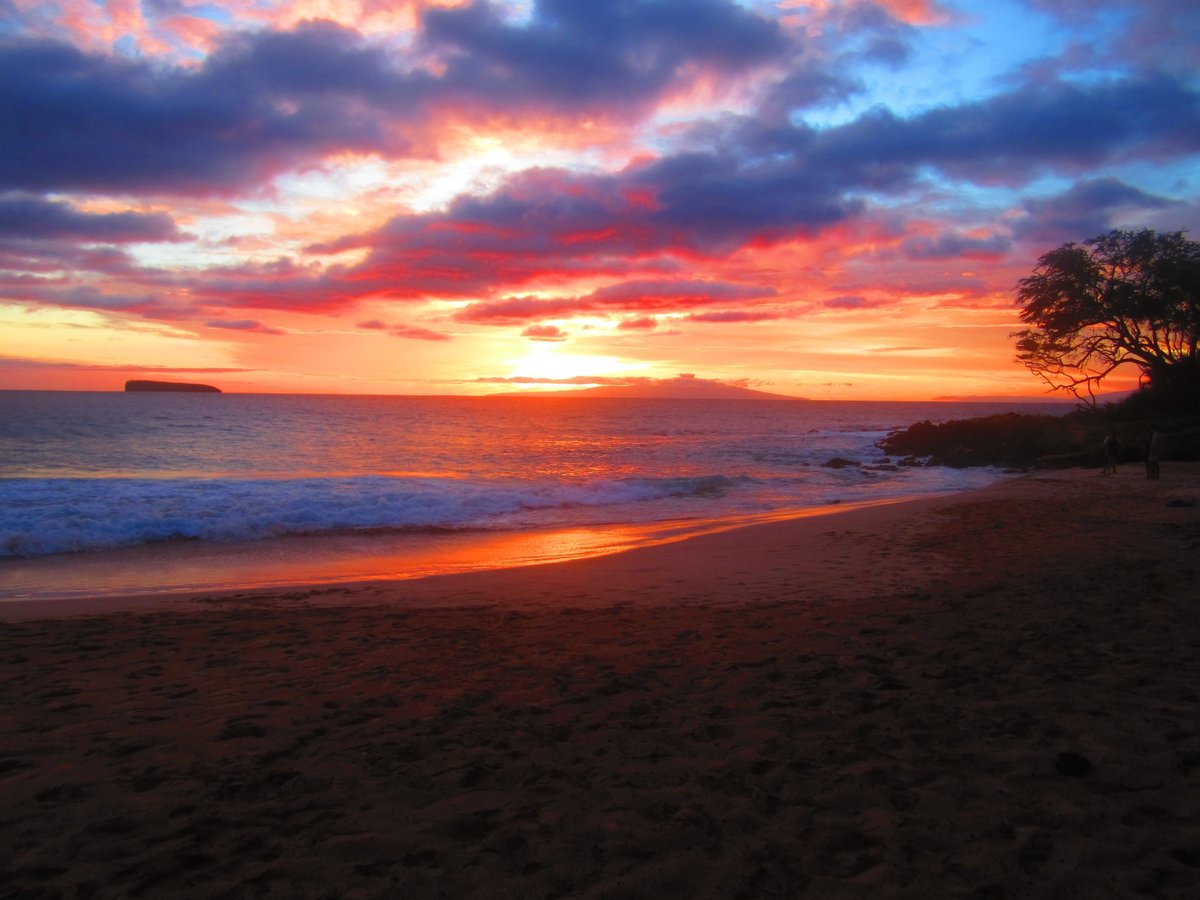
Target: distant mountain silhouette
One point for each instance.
(684, 387)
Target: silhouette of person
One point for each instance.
(1112, 450)
(1156, 443)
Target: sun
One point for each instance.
(555, 365)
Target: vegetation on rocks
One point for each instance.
(1020, 441)
(1124, 299)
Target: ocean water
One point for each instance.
(91, 473)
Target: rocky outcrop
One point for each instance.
(171, 386)
(1044, 442)
(840, 462)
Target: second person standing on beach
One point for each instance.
(1112, 450)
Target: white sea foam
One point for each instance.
(57, 515)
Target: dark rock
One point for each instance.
(171, 387)
(1017, 441)
(839, 462)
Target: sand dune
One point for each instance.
(990, 695)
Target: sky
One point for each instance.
(822, 199)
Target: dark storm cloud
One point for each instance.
(268, 101)
(317, 59)
(1084, 210)
(41, 292)
(76, 120)
(869, 32)
(33, 218)
(1153, 34)
(809, 84)
(827, 63)
(50, 237)
(953, 245)
(711, 203)
(580, 52)
(1011, 137)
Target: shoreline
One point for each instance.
(341, 562)
(987, 694)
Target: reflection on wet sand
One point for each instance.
(190, 566)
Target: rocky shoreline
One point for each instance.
(1016, 441)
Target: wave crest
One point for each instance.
(60, 515)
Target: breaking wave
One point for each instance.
(59, 515)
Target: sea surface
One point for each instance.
(89, 475)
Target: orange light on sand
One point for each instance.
(185, 567)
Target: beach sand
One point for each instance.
(988, 695)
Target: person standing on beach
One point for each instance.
(1112, 450)
(1156, 443)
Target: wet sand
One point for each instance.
(987, 695)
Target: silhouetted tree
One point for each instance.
(1124, 298)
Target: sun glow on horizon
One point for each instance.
(548, 362)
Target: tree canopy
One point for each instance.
(1127, 298)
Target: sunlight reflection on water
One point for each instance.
(187, 567)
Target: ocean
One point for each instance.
(115, 491)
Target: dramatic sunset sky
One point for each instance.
(824, 199)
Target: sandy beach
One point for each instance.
(992, 695)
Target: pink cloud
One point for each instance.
(635, 296)
(417, 334)
(727, 316)
(642, 323)
(852, 302)
(250, 325)
(544, 333)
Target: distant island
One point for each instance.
(178, 387)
